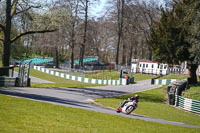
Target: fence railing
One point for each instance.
(157, 71)
(86, 73)
(82, 79)
(163, 81)
(187, 104)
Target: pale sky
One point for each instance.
(97, 9)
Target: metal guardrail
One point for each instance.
(187, 104)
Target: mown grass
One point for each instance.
(58, 82)
(114, 75)
(139, 77)
(19, 115)
(174, 76)
(152, 104)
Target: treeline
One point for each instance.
(116, 37)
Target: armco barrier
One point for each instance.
(82, 79)
(162, 81)
(188, 104)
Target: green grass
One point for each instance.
(1, 63)
(152, 104)
(174, 76)
(193, 92)
(19, 115)
(58, 82)
(114, 75)
(139, 77)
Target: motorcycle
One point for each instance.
(128, 107)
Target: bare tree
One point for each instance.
(14, 9)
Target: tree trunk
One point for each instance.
(7, 41)
(74, 19)
(57, 58)
(124, 54)
(193, 75)
(120, 28)
(84, 36)
(130, 56)
(150, 53)
(72, 57)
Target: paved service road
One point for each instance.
(82, 97)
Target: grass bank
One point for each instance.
(24, 116)
(193, 92)
(152, 104)
(175, 76)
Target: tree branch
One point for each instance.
(14, 8)
(30, 32)
(27, 9)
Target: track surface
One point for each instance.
(82, 97)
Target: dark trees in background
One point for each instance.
(175, 38)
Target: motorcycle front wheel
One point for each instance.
(129, 109)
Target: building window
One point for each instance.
(161, 66)
(152, 65)
(146, 65)
(165, 67)
(140, 65)
(143, 65)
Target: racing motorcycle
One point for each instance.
(128, 107)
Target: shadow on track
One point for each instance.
(45, 98)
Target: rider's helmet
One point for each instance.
(137, 97)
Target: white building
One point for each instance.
(157, 68)
(149, 67)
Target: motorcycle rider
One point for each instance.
(136, 98)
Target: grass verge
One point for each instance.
(22, 116)
(174, 76)
(152, 104)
